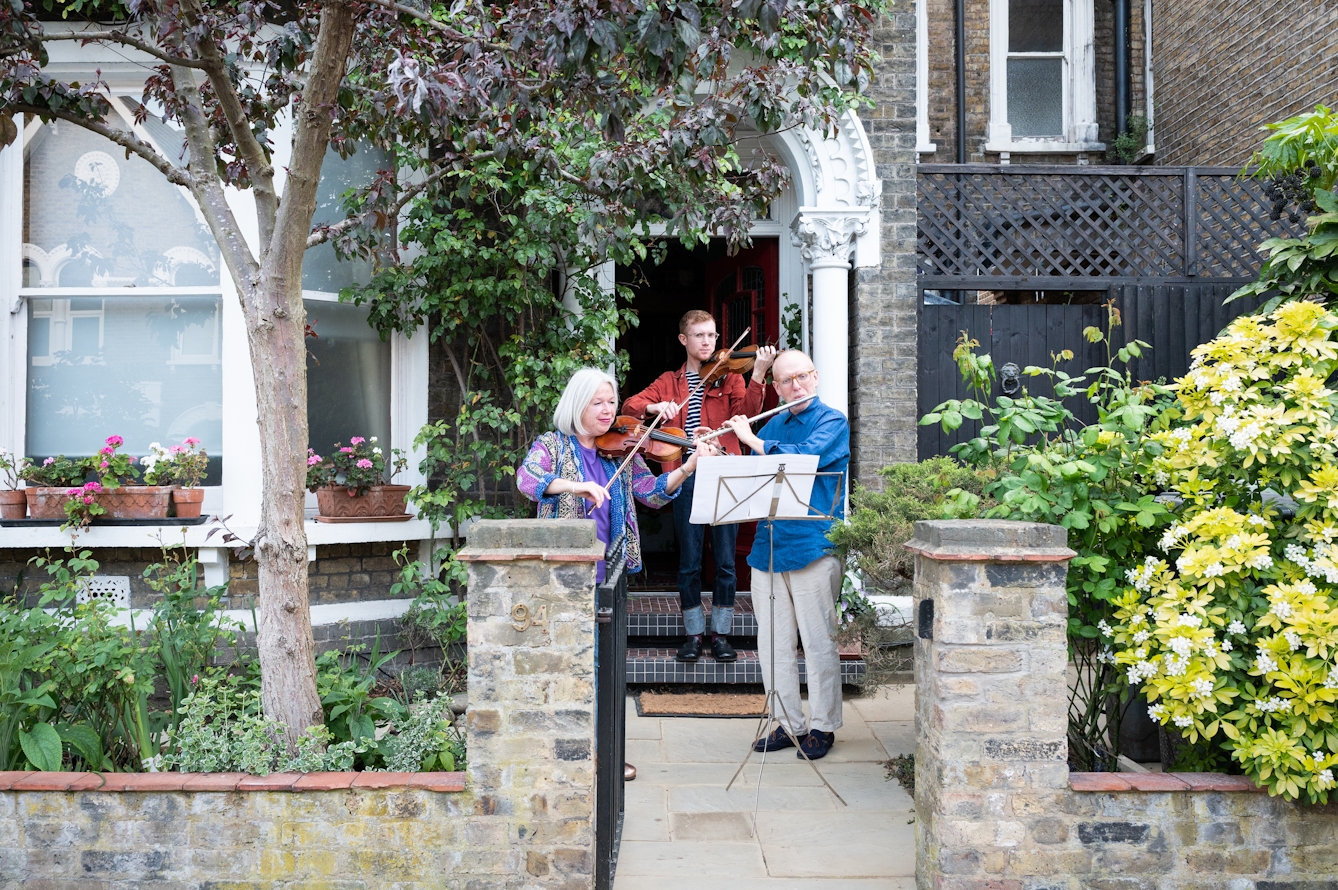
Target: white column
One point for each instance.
(13, 342)
(1082, 58)
(1000, 131)
(923, 145)
(826, 239)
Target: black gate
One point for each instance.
(610, 715)
(1172, 318)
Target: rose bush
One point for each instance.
(1233, 631)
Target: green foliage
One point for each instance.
(58, 472)
(356, 466)
(881, 521)
(437, 617)
(1096, 481)
(425, 740)
(1130, 145)
(902, 768)
(792, 323)
(1300, 157)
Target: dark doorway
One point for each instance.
(740, 291)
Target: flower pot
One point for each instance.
(136, 502)
(187, 502)
(46, 502)
(346, 503)
(13, 504)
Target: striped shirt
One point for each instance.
(693, 418)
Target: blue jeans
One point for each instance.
(691, 539)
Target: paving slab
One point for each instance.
(889, 703)
(712, 827)
(645, 813)
(838, 845)
(697, 860)
(643, 751)
(715, 799)
(865, 787)
(896, 737)
(778, 772)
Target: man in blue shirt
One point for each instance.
(807, 578)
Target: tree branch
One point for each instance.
(440, 27)
(249, 149)
(126, 40)
(413, 191)
(129, 141)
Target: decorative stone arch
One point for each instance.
(177, 257)
(836, 226)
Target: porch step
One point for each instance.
(646, 664)
(658, 614)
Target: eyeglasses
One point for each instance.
(703, 337)
(801, 379)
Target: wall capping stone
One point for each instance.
(212, 782)
(989, 540)
(1198, 782)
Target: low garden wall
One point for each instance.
(998, 809)
(522, 815)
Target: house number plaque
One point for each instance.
(523, 617)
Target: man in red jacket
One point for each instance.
(711, 407)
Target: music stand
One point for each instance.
(767, 493)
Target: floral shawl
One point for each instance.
(557, 456)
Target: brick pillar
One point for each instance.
(991, 696)
(531, 717)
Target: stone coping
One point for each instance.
(366, 781)
(1159, 782)
(517, 554)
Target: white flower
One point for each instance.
(1162, 478)
(1105, 628)
(1265, 664)
(1274, 704)
(371, 439)
(376, 451)
(1105, 656)
(1157, 712)
(1183, 434)
(1261, 561)
(1235, 627)
(1210, 649)
(1293, 639)
(1189, 621)
(1176, 667)
(1232, 542)
(1281, 608)
(1324, 777)
(1256, 520)
(1203, 687)
(1331, 681)
(1142, 636)
(1181, 563)
(1231, 384)
(1244, 437)
(1182, 721)
(1296, 554)
(1305, 587)
(1226, 646)
(1217, 398)
(1137, 618)
(1214, 570)
(1228, 423)
(1181, 646)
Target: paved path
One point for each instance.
(683, 829)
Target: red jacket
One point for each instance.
(719, 403)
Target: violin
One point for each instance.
(727, 361)
(664, 444)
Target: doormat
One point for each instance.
(651, 703)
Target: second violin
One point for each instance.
(663, 445)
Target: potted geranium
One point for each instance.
(184, 467)
(350, 484)
(49, 482)
(122, 500)
(13, 502)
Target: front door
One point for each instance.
(743, 292)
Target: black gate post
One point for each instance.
(610, 715)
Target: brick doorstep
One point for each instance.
(215, 782)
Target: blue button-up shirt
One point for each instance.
(818, 429)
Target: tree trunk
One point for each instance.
(275, 327)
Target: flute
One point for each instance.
(779, 408)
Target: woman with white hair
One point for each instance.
(570, 480)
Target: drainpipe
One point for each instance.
(1123, 89)
(959, 20)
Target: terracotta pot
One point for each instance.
(379, 500)
(136, 502)
(46, 502)
(13, 504)
(187, 502)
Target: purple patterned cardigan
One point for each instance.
(557, 456)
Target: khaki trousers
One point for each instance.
(806, 605)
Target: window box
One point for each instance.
(126, 502)
(383, 502)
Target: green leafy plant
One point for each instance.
(57, 472)
(1131, 144)
(426, 739)
(81, 505)
(356, 466)
(436, 617)
(113, 468)
(12, 467)
(792, 324)
(186, 464)
(1300, 160)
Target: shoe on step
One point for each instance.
(721, 650)
(778, 740)
(691, 649)
(816, 745)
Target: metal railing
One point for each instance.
(610, 712)
(982, 226)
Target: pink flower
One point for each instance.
(345, 450)
(48, 462)
(104, 465)
(314, 459)
(131, 459)
(108, 450)
(88, 499)
(71, 492)
(115, 441)
(93, 486)
(195, 679)
(176, 449)
(364, 464)
(192, 441)
(356, 440)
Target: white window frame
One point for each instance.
(240, 494)
(1079, 79)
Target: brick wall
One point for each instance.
(1224, 68)
(996, 806)
(883, 307)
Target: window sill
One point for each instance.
(1039, 147)
(318, 533)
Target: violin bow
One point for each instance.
(658, 417)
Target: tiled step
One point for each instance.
(659, 615)
(657, 665)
